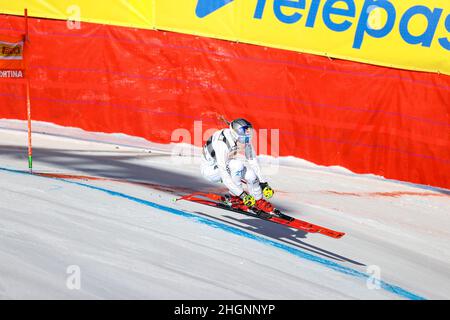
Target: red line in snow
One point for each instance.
(92, 178)
(394, 194)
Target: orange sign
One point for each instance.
(11, 57)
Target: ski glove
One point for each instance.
(247, 199)
(266, 190)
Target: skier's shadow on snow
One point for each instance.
(281, 234)
(115, 164)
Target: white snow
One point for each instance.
(126, 248)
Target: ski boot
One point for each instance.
(235, 202)
(263, 209)
(263, 205)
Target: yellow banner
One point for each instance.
(128, 13)
(408, 34)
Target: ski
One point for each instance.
(218, 201)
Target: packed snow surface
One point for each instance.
(97, 220)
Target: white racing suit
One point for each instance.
(221, 162)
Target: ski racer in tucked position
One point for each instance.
(222, 162)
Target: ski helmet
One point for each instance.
(241, 130)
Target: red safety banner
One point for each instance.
(145, 83)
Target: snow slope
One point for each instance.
(105, 206)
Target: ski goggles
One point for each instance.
(245, 134)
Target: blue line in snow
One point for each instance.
(297, 252)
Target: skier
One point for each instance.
(222, 162)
